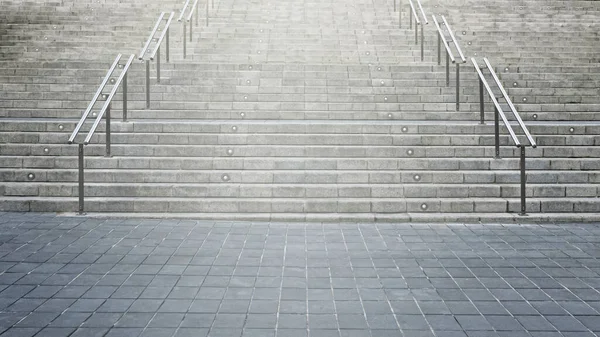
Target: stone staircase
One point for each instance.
(312, 111)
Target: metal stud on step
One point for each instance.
(417, 177)
(229, 152)
(382, 83)
(250, 67)
(234, 128)
(506, 69)
(31, 176)
(515, 84)
(379, 68)
(112, 81)
(464, 32)
(60, 126)
(390, 116)
(242, 114)
(469, 43)
(245, 98)
(94, 114)
(535, 116)
(46, 150)
(104, 96)
(385, 99)
(404, 129)
(410, 152)
(37, 49)
(368, 53)
(424, 206)
(571, 130)
(225, 177)
(524, 99)
(248, 82)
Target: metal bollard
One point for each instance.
(81, 180)
(107, 116)
(457, 86)
(147, 84)
(523, 182)
(496, 133)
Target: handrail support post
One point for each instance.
(457, 86)
(158, 65)
(416, 31)
(481, 104)
(147, 84)
(107, 116)
(207, 14)
(496, 133)
(191, 32)
(81, 180)
(394, 5)
(409, 16)
(447, 69)
(439, 45)
(167, 51)
(523, 182)
(125, 98)
(422, 42)
(184, 39)
(399, 13)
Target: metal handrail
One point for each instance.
(414, 12)
(106, 105)
(418, 23)
(104, 111)
(422, 12)
(442, 38)
(94, 100)
(187, 2)
(449, 54)
(165, 33)
(151, 36)
(496, 105)
(498, 112)
(510, 104)
(193, 7)
(456, 45)
(156, 50)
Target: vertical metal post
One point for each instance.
(206, 13)
(107, 116)
(457, 86)
(191, 26)
(184, 38)
(158, 65)
(147, 84)
(422, 41)
(168, 44)
(125, 97)
(416, 31)
(409, 18)
(481, 105)
(439, 49)
(394, 5)
(80, 185)
(400, 14)
(447, 69)
(496, 133)
(523, 182)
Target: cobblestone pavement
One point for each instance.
(76, 276)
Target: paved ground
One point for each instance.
(65, 276)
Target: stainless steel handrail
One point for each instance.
(442, 38)
(417, 24)
(106, 105)
(165, 33)
(150, 37)
(449, 54)
(498, 111)
(187, 2)
(185, 19)
(456, 45)
(94, 99)
(422, 12)
(496, 105)
(510, 104)
(156, 50)
(104, 111)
